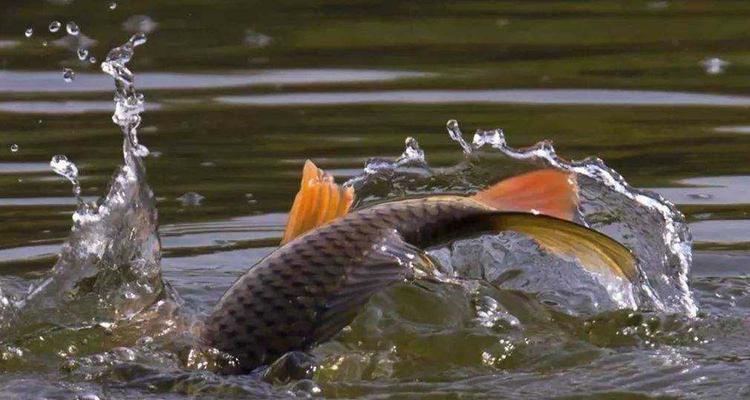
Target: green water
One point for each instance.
(242, 145)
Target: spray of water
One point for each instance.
(648, 224)
(109, 268)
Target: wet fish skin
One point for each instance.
(308, 290)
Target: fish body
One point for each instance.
(310, 288)
(288, 301)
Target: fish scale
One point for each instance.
(274, 307)
(306, 291)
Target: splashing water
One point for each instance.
(109, 268)
(65, 168)
(645, 222)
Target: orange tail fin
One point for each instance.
(318, 201)
(546, 191)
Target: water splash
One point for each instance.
(128, 102)
(109, 268)
(645, 222)
(65, 168)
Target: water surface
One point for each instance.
(233, 118)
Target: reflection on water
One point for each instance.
(40, 201)
(722, 231)
(529, 68)
(744, 129)
(63, 107)
(17, 167)
(504, 96)
(50, 82)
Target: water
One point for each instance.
(54, 26)
(658, 118)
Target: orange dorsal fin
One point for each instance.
(319, 200)
(547, 191)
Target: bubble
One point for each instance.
(29, 32)
(54, 26)
(14, 147)
(82, 54)
(72, 28)
(112, 5)
(92, 60)
(68, 75)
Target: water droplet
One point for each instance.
(29, 32)
(412, 152)
(44, 43)
(54, 26)
(256, 39)
(138, 39)
(65, 168)
(455, 133)
(68, 75)
(714, 65)
(140, 23)
(112, 5)
(191, 199)
(494, 138)
(92, 60)
(82, 54)
(14, 147)
(72, 28)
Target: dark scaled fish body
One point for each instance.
(309, 289)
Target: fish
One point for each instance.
(333, 259)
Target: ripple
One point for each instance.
(742, 129)
(50, 82)
(721, 231)
(713, 190)
(503, 96)
(8, 44)
(28, 252)
(41, 201)
(23, 167)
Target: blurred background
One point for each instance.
(240, 93)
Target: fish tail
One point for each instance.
(596, 252)
(319, 200)
(547, 191)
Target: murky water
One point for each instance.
(239, 94)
